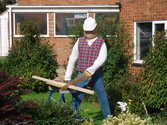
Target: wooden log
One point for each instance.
(61, 84)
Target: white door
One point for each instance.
(4, 46)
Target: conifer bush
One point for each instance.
(31, 55)
(154, 75)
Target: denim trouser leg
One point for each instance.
(101, 94)
(78, 96)
(98, 85)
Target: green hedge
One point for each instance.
(31, 55)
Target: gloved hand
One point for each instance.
(88, 75)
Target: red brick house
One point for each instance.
(142, 19)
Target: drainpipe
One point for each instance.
(119, 5)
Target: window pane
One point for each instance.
(159, 27)
(110, 18)
(105, 15)
(39, 17)
(143, 40)
(65, 21)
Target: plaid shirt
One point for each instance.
(88, 54)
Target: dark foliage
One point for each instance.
(4, 3)
(11, 104)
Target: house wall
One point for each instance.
(131, 10)
(66, 2)
(141, 10)
(61, 44)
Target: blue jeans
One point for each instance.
(97, 84)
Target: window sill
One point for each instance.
(23, 36)
(137, 64)
(64, 35)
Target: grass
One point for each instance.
(88, 109)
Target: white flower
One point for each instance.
(122, 105)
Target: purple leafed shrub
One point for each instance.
(11, 106)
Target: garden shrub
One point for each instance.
(4, 3)
(53, 111)
(31, 55)
(11, 106)
(116, 65)
(154, 75)
(126, 118)
(129, 89)
(2, 59)
(119, 48)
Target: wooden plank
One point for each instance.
(61, 84)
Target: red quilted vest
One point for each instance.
(88, 54)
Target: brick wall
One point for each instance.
(66, 2)
(141, 10)
(62, 46)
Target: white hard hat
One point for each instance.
(89, 24)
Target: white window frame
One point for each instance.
(79, 11)
(14, 26)
(153, 27)
(153, 33)
(59, 9)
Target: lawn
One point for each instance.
(87, 109)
